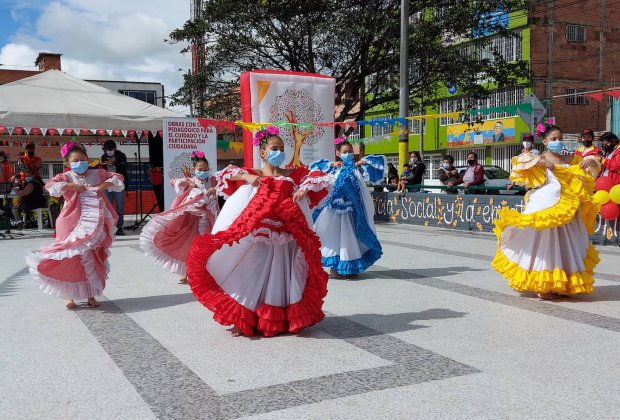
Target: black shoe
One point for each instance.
(120, 232)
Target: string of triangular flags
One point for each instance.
(598, 96)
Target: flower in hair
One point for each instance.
(198, 154)
(339, 140)
(66, 148)
(258, 137)
(272, 130)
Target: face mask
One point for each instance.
(202, 175)
(28, 178)
(412, 161)
(79, 167)
(587, 143)
(347, 157)
(470, 162)
(527, 144)
(109, 153)
(607, 148)
(446, 166)
(555, 146)
(30, 154)
(275, 158)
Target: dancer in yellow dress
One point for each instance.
(546, 249)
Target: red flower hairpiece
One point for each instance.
(66, 148)
(198, 154)
(339, 140)
(263, 135)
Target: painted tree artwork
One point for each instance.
(297, 106)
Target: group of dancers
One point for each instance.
(257, 263)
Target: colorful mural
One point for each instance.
(491, 131)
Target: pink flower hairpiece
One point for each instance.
(66, 148)
(198, 154)
(339, 140)
(263, 135)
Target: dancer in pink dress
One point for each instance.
(167, 237)
(76, 265)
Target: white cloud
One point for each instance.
(105, 39)
(17, 55)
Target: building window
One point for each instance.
(148, 96)
(575, 33)
(500, 97)
(381, 129)
(575, 98)
(507, 46)
(414, 125)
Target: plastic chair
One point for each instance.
(40, 211)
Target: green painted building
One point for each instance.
(496, 140)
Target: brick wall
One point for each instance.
(590, 65)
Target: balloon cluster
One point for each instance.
(607, 197)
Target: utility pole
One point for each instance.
(403, 135)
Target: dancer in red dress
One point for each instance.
(260, 269)
(167, 237)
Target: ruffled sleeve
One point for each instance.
(374, 170)
(225, 185)
(116, 180)
(176, 185)
(322, 165)
(56, 186)
(318, 184)
(526, 171)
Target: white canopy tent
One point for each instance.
(54, 99)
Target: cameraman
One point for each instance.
(114, 160)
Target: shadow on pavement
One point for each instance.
(417, 273)
(147, 303)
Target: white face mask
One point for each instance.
(109, 153)
(527, 144)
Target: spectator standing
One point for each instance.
(29, 160)
(611, 159)
(528, 144)
(115, 162)
(6, 168)
(587, 149)
(417, 168)
(392, 171)
(474, 175)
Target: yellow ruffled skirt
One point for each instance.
(546, 248)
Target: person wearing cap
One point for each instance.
(115, 161)
(587, 149)
(29, 160)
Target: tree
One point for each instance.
(356, 42)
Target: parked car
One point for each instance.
(494, 176)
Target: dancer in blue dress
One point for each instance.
(344, 221)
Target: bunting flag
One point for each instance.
(124, 132)
(10, 130)
(236, 146)
(596, 96)
(204, 122)
(109, 132)
(61, 131)
(614, 93)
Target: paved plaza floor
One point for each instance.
(430, 332)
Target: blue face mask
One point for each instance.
(276, 158)
(202, 175)
(347, 157)
(28, 178)
(79, 167)
(558, 147)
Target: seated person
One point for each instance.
(406, 178)
(392, 183)
(30, 193)
(448, 173)
(474, 175)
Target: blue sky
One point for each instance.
(98, 39)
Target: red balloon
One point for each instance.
(610, 211)
(604, 183)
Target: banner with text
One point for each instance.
(300, 99)
(182, 136)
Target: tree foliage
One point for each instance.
(355, 41)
